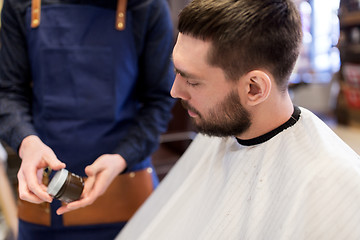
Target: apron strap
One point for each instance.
(120, 14)
(35, 13)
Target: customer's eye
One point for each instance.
(191, 83)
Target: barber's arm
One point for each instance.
(156, 76)
(16, 126)
(15, 79)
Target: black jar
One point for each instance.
(66, 186)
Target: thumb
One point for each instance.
(53, 162)
(93, 169)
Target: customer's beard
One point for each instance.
(228, 118)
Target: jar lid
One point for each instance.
(57, 182)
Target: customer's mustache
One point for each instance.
(187, 106)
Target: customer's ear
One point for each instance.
(256, 87)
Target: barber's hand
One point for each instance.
(35, 156)
(100, 174)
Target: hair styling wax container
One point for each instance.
(66, 186)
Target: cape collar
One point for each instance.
(267, 136)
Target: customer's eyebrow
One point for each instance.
(185, 74)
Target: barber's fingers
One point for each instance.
(91, 192)
(28, 195)
(88, 185)
(94, 187)
(100, 175)
(63, 209)
(30, 179)
(34, 152)
(35, 157)
(113, 163)
(50, 160)
(76, 204)
(95, 168)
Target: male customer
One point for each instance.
(262, 168)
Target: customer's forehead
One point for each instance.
(190, 49)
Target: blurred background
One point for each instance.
(326, 80)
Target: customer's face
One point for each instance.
(211, 100)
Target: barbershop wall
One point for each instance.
(319, 60)
(328, 68)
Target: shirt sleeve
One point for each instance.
(15, 79)
(153, 87)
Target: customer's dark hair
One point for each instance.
(247, 34)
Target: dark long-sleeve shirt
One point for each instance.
(152, 33)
